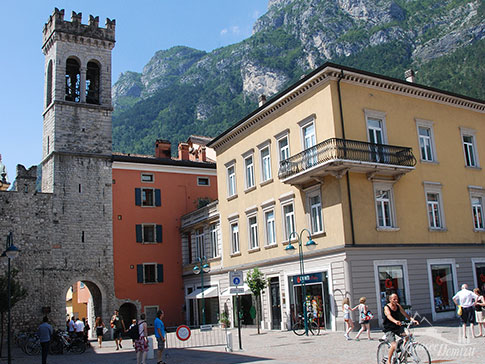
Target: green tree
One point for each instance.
(17, 292)
(257, 283)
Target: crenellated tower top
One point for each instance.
(57, 24)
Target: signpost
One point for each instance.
(235, 280)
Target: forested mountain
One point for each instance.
(184, 91)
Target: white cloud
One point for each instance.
(232, 30)
(224, 31)
(235, 29)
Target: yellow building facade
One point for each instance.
(384, 175)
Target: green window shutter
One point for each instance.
(160, 273)
(138, 196)
(159, 234)
(139, 235)
(139, 273)
(158, 197)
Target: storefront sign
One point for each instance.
(307, 278)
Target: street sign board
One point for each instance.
(236, 290)
(205, 327)
(236, 278)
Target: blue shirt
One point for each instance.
(45, 332)
(159, 325)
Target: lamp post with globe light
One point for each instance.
(11, 251)
(290, 249)
(200, 268)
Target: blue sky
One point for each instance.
(142, 28)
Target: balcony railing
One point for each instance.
(346, 150)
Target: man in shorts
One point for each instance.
(466, 299)
(118, 328)
(394, 313)
(160, 335)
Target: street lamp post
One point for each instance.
(200, 268)
(10, 252)
(291, 249)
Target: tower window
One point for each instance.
(92, 83)
(73, 80)
(48, 99)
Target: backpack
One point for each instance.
(134, 331)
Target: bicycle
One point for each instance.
(32, 345)
(299, 326)
(407, 351)
(61, 341)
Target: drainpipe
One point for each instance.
(349, 195)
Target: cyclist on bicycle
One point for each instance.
(393, 315)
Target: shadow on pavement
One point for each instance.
(200, 356)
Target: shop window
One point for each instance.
(92, 83)
(391, 279)
(443, 288)
(480, 275)
(73, 80)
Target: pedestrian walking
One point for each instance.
(364, 318)
(160, 335)
(118, 328)
(479, 311)
(466, 299)
(348, 320)
(100, 327)
(86, 331)
(45, 332)
(141, 344)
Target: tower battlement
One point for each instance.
(56, 23)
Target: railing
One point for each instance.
(349, 150)
(199, 337)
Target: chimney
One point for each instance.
(409, 75)
(184, 152)
(163, 149)
(203, 155)
(262, 99)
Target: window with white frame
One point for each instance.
(265, 163)
(383, 196)
(376, 128)
(253, 232)
(309, 141)
(249, 170)
(469, 147)
(288, 220)
(214, 240)
(477, 196)
(231, 180)
(270, 228)
(283, 148)
(434, 206)
(199, 242)
(234, 226)
(314, 203)
(427, 147)
(147, 177)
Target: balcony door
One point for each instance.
(309, 142)
(375, 129)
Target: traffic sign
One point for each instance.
(183, 332)
(236, 290)
(236, 278)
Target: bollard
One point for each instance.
(229, 341)
(150, 354)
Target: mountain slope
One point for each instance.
(183, 91)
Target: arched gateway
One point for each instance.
(64, 232)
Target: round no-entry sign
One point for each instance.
(183, 333)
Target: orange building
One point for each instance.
(149, 196)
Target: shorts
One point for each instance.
(117, 334)
(347, 316)
(468, 315)
(391, 335)
(160, 343)
(480, 317)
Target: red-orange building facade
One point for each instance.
(150, 194)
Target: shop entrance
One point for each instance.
(248, 310)
(274, 284)
(317, 298)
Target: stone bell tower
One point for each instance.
(77, 153)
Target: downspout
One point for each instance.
(349, 195)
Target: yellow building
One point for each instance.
(385, 176)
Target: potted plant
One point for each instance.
(224, 320)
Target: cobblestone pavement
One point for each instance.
(276, 347)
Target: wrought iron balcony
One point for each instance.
(336, 156)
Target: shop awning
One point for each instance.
(227, 292)
(208, 293)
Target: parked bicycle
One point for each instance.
(61, 342)
(407, 351)
(299, 326)
(32, 345)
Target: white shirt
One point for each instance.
(465, 298)
(79, 326)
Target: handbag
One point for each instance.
(367, 316)
(105, 330)
(460, 311)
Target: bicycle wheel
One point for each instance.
(418, 354)
(382, 352)
(314, 327)
(32, 347)
(78, 347)
(55, 347)
(299, 328)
